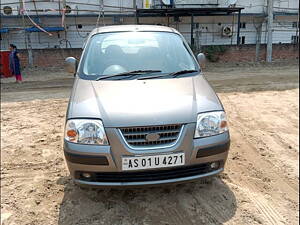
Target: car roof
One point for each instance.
(136, 28)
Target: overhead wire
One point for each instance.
(101, 13)
(34, 23)
(76, 26)
(37, 15)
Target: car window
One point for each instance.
(128, 42)
(112, 53)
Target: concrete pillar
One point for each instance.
(270, 31)
(29, 49)
(258, 41)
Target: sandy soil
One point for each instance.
(259, 185)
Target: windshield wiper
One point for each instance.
(129, 73)
(174, 74)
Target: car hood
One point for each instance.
(126, 103)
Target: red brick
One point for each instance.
(243, 53)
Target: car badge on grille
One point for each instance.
(152, 137)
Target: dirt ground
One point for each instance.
(259, 185)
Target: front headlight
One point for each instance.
(85, 131)
(211, 123)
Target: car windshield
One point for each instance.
(121, 52)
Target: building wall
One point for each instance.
(47, 58)
(253, 7)
(208, 30)
(78, 7)
(246, 53)
(257, 6)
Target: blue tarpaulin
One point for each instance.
(4, 30)
(35, 29)
(48, 29)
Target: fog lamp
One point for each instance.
(86, 175)
(214, 165)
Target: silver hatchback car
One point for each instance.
(141, 111)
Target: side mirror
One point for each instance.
(201, 59)
(71, 65)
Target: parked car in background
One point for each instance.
(141, 112)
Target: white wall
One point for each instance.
(54, 7)
(251, 6)
(209, 31)
(257, 6)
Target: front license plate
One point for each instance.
(152, 161)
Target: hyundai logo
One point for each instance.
(152, 137)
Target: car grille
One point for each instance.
(149, 175)
(136, 136)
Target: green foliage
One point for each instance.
(213, 52)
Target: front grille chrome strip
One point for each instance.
(134, 137)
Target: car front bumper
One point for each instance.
(104, 163)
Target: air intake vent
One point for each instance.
(151, 136)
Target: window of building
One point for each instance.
(117, 20)
(177, 19)
(295, 39)
(295, 24)
(243, 25)
(243, 38)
